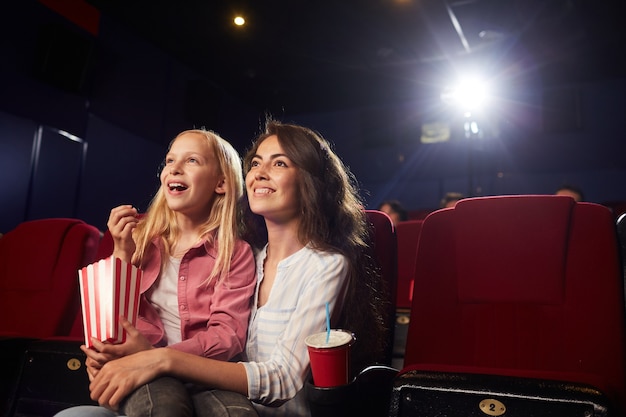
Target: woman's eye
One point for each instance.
(193, 160)
(169, 161)
(280, 163)
(254, 164)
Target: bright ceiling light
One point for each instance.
(469, 94)
(239, 21)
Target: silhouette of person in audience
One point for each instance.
(395, 210)
(450, 199)
(571, 190)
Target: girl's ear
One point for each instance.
(221, 187)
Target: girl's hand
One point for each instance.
(135, 342)
(101, 352)
(122, 221)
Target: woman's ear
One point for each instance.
(221, 187)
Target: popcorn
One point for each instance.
(109, 289)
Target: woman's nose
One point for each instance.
(260, 172)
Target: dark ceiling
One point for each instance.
(306, 56)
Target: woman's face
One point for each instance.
(191, 178)
(272, 183)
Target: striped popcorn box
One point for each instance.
(108, 289)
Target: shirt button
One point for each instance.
(182, 278)
(183, 307)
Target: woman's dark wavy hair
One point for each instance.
(333, 220)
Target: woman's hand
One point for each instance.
(120, 377)
(122, 221)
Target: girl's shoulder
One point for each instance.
(241, 244)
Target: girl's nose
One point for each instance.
(175, 168)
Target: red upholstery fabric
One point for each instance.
(385, 252)
(537, 232)
(521, 285)
(419, 214)
(105, 248)
(39, 262)
(407, 234)
(617, 207)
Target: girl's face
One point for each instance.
(190, 178)
(272, 183)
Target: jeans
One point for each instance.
(168, 397)
(163, 397)
(216, 403)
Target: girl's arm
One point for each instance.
(122, 221)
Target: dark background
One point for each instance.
(93, 91)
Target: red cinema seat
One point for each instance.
(384, 246)
(368, 393)
(39, 262)
(407, 233)
(41, 328)
(105, 248)
(518, 309)
(617, 207)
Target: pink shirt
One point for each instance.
(214, 319)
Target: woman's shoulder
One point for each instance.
(321, 257)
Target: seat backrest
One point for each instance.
(621, 234)
(384, 247)
(407, 233)
(521, 285)
(617, 207)
(39, 262)
(420, 214)
(105, 248)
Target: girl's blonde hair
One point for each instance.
(221, 226)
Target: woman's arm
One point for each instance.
(296, 309)
(272, 379)
(118, 378)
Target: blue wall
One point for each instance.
(134, 99)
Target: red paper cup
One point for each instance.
(330, 362)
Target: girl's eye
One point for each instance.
(280, 163)
(193, 160)
(169, 161)
(254, 164)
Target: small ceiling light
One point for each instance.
(239, 21)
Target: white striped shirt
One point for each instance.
(278, 360)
